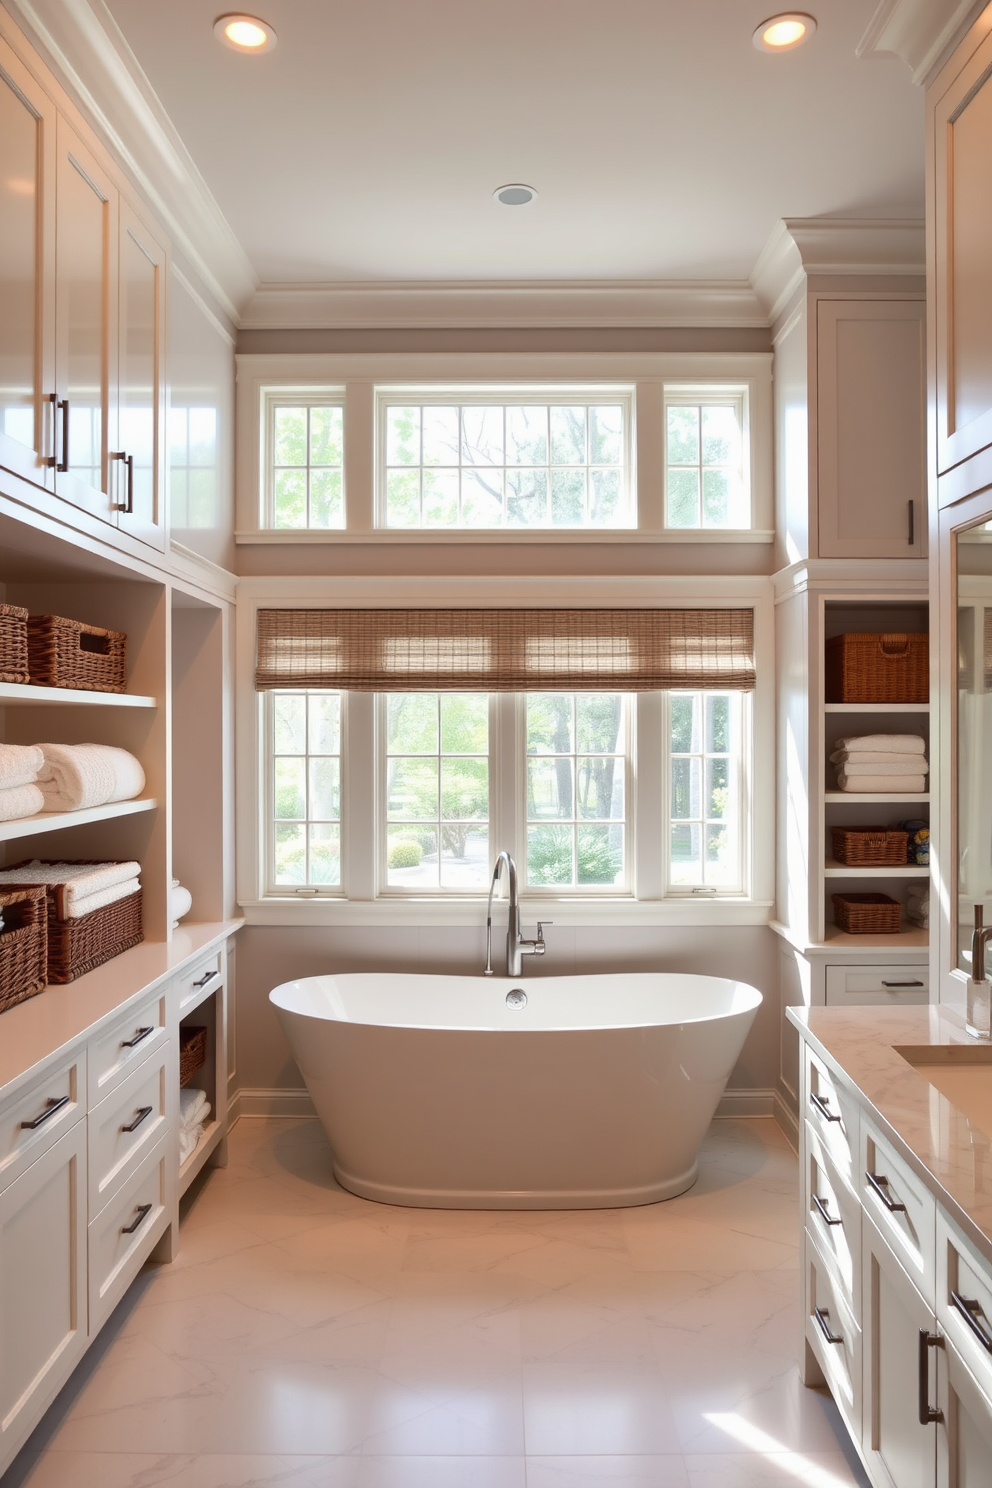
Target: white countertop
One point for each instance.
(951, 1154)
(36, 1031)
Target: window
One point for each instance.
(706, 758)
(706, 482)
(303, 732)
(304, 462)
(576, 789)
(505, 459)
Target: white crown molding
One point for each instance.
(803, 246)
(543, 304)
(922, 33)
(83, 45)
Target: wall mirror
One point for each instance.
(974, 731)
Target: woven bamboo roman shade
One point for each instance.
(505, 650)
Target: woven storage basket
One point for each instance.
(23, 942)
(866, 914)
(67, 653)
(192, 1051)
(885, 667)
(870, 846)
(77, 946)
(13, 644)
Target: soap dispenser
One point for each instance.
(979, 1000)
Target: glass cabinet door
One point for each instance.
(137, 457)
(27, 287)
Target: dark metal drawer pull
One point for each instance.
(52, 1106)
(821, 1314)
(970, 1310)
(206, 977)
(902, 984)
(140, 1116)
(926, 1412)
(141, 1033)
(141, 1215)
(880, 1186)
(62, 465)
(911, 536)
(823, 1106)
(824, 1212)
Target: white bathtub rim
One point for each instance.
(602, 1198)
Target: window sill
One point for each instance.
(539, 537)
(594, 913)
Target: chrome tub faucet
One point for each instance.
(516, 946)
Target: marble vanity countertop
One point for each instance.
(951, 1153)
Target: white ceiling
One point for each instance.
(663, 145)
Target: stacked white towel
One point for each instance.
(20, 794)
(194, 1108)
(81, 887)
(77, 776)
(894, 764)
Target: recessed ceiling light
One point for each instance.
(515, 194)
(244, 33)
(781, 33)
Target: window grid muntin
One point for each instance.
(308, 401)
(735, 818)
(391, 824)
(623, 823)
(735, 398)
(508, 398)
(308, 821)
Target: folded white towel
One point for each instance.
(894, 785)
(74, 909)
(890, 743)
(858, 764)
(193, 1105)
(80, 879)
(19, 764)
(20, 800)
(188, 1138)
(76, 776)
(871, 757)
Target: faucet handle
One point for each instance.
(540, 930)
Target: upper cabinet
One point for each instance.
(83, 279)
(960, 197)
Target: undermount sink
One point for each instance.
(961, 1072)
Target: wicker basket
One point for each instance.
(871, 847)
(77, 946)
(23, 942)
(192, 1051)
(866, 914)
(67, 653)
(13, 644)
(889, 667)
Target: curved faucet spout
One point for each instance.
(516, 946)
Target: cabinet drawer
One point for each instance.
(903, 1211)
(33, 1120)
(127, 1041)
(126, 1125)
(834, 1336)
(964, 1300)
(121, 1238)
(833, 1115)
(833, 1220)
(199, 980)
(852, 986)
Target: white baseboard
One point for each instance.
(741, 1103)
(278, 1103)
(787, 1119)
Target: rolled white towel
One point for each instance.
(894, 785)
(857, 764)
(188, 1138)
(193, 1106)
(19, 764)
(872, 757)
(76, 776)
(74, 909)
(887, 743)
(20, 800)
(180, 902)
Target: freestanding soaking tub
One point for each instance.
(458, 1092)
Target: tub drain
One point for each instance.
(516, 998)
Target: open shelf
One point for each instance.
(54, 821)
(892, 797)
(14, 694)
(876, 707)
(902, 940)
(833, 869)
(212, 1134)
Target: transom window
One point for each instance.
(505, 459)
(305, 462)
(706, 482)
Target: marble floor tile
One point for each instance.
(308, 1338)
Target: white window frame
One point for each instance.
(540, 374)
(361, 900)
(678, 395)
(272, 398)
(745, 786)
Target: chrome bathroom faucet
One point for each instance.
(516, 946)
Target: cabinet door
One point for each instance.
(964, 1435)
(42, 1285)
(870, 402)
(962, 286)
(27, 273)
(86, 325)
(900, 1452)
(136, 473)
